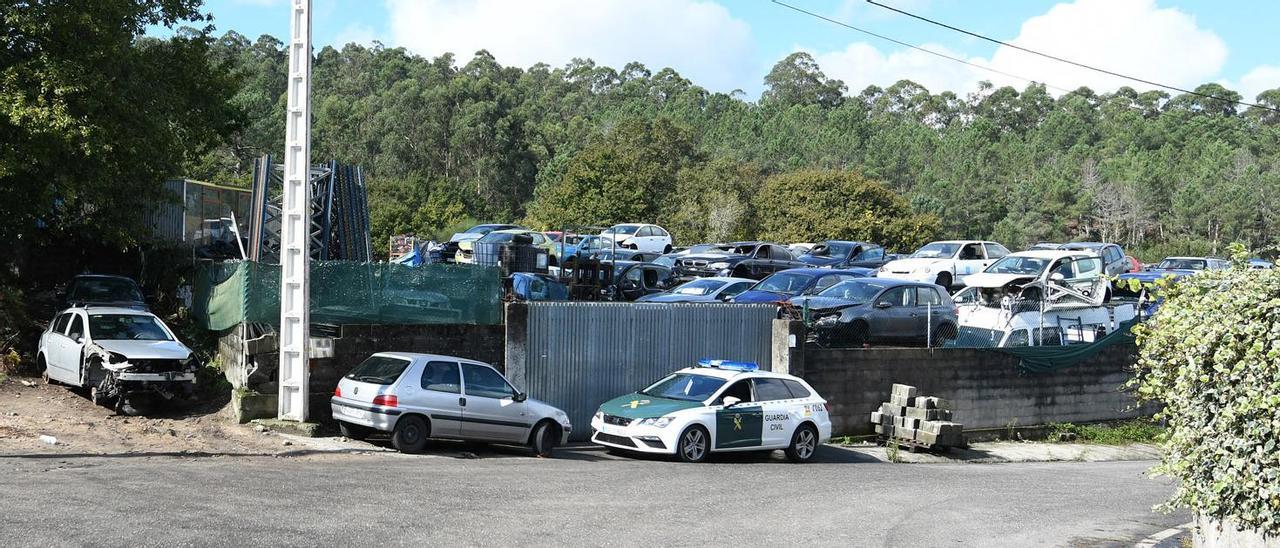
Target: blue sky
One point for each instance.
(730, 44)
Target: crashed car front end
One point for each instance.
(166, 369)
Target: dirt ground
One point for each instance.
(30, 409)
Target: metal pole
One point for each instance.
(295, 228)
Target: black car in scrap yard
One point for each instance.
(845, 254)
(755, 260)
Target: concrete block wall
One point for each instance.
(985, 387)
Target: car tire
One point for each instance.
(694, 444)
(804, 443)
(545, 438)
(43, 367)
(944, 280)
(353, 431)
(410, 434)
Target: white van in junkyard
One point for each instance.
(127, 358)
(419, 396)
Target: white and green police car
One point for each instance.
(718, 406)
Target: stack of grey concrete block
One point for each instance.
(921, 420)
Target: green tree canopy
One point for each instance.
(806, 206)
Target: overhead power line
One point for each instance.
(918, 48)
(1067, 61)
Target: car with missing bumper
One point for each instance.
(127, 358)
(419, 396)
(717, 406)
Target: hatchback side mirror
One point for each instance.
(883, 304)
(519, 397)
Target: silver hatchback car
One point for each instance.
(420, 396)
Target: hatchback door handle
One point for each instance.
(462, 402)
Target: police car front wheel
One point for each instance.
(694, 444)
(804, 443)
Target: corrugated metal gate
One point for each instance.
(580, 354)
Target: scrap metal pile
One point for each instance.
(339, 213)
(917, 421)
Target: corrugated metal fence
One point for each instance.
(580, 354)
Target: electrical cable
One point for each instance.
(1067, 61)
(918, 48)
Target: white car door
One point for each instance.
(55, 344)
(781, 413)
(490, 411)
(970, 260)
(73, 343)
(645, 239)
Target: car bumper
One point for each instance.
(643, 439)
(377, 418)
(927, 277)
(156, 377)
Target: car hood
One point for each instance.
(824, 260)
(147, 350)
(815, 302)
(989, 279)
(639, 406)
(761, 296)
(908, 265)
(540, 407)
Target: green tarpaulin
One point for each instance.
(1038, 359)
(343, 292)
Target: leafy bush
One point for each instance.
(812, 205)
(1212, 358)
(1134, 431)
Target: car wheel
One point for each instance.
(944, 280)
(353, 431)
(98, 397)
(544, 439)
(410, 435)
(694, 444)
(43, 367)
(804, 443)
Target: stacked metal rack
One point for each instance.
(339, 212)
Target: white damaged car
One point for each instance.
(944, 263)
(128, 359)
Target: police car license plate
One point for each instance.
(611, 429)
(353, 413)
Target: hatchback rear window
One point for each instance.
(378, 370)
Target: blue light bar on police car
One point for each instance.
(728, 364)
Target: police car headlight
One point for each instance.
(598, 416)
(658, 422)
(718, 266)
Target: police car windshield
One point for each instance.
(684, 386)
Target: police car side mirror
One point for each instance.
(730, 401)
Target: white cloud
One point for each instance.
(355, 33)
(698, 38)
(1127, 36)
(861, 65)
(1258, 80)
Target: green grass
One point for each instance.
(1119, 433)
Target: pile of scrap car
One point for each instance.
(853, 293)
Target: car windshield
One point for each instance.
(857, 291)
(496, 238)
(790, 283)
(483, 229)
(936, 250)
(126, 327)
(1018, 265)
(699, 287)
(685, 386)
(623, 229)
(104, 290)
(831, 249)
(666, 260)
(379, 370)
(1182, 264)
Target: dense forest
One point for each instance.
(448, 142)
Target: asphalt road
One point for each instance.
(581, 498)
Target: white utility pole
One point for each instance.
(295, 227)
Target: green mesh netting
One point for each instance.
(351, 293)
(1040, 359)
